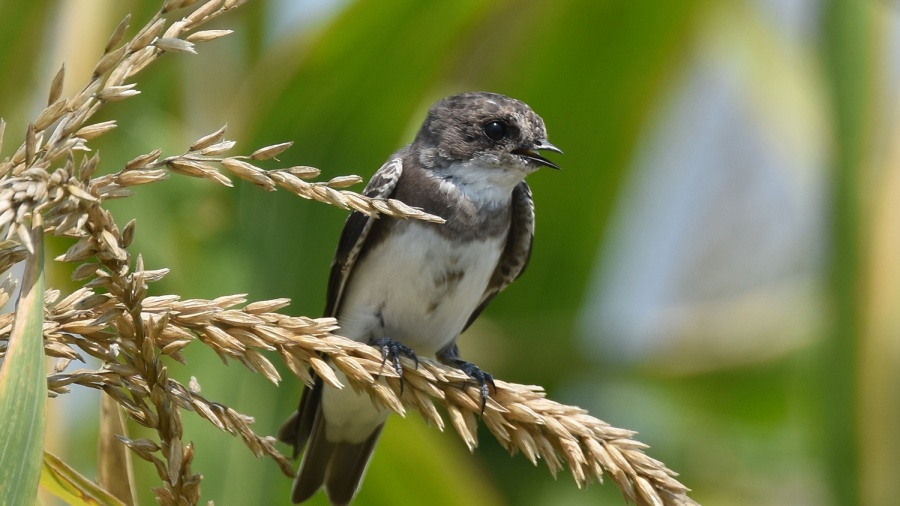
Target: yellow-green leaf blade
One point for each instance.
(23, 387)
(66, 483)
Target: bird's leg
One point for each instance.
(450, 356)
(483, 378)
(393, 350)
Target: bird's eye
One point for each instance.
(495, 130)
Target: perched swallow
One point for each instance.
(411, 287)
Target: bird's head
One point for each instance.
(486, 129)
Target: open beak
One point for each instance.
(532, 153)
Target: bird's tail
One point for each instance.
(338, 466)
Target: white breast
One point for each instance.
(485, 184)
(418, 288)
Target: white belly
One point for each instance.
(417, 288)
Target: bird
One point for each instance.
(411, 287)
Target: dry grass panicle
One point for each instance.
(113, 318)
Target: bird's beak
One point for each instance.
(532, 153)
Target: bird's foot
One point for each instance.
(392, 350)
(484, 379)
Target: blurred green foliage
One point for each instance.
(352, 87)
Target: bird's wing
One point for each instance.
(517, 250)
(304, 426)
(356, 230)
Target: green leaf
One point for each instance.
(66, 483)
(23, 387)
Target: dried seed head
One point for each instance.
(88, 166)
(110, 245)
(270, 151)
(109, 60)
(325, 372)
(335, 197)
(140, 176)
(249, 172)
(303, 172)
(128, 233)
(96, 130)
(189, 167)
(146, 35)
(78, 192)
(84, 271)
(117, 34)
(207, 35)
(174, 30)
(217, 148)
(56, 85)
(91, 301)
(141, 59)
(81, 250)
(116, 93)
(30, 144)
(198, 169)
(266, 306)
(202, 13)
(344, 181)
(256, 362)
(175, 45)
(52, 113)
(209, 139)
(143, 160)
(121, 72)
(171, 5)
(153, 275)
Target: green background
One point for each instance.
(810, 422)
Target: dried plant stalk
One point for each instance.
(112, 318)
(520, 416)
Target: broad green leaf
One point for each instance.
(23, 387)
(66, 483)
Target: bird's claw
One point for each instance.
(393, 350)
(484, 379)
